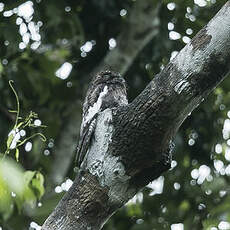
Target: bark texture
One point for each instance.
(132, 144)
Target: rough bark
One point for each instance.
(132, 143)
(141, 26)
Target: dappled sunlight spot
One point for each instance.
(200, 3)
(156, 186)
(112, 43)
(222, 193)
(58, 189)
(191, 142)
(195, 173)
(51, 143)
(35, 45)
(224, 225)
(19, 21)
(22, 29)
(139, 221)
(218, 148)
(173, 164)
(39, 204)
(173, 35)
(226, 129)
(34, 31)
(26, 10)
(22, 45)
(8, 13)
(201, 206)
(26, 38)
(46, 152)
(176, 186)
(65, 186)
(208, 192)
(13, 194)
(28, 29)
(64, 71)
(204, 172)
(1, 6)
(6, 42)
(171, 5)
(189, 31)
(28, 146)
(67, 9)
(178, 226)
(227, 153)
(219, 166)
(189, 15)
(37, 122)
(228, 114)
(123, 12)
(228, 142)
(173, 54)
(186, 39)
(4, 61)
(69, 84)
(200, 174)
(227, 170)
(34, 225)
(87, 47)
(189, 10)
(138, 198)
(170, 26)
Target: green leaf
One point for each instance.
(38, 185)
(9, 140)
(12, 111)
(35, 182)
(17, 154)
(28, 176)
(20, 124)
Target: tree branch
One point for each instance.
(131, 144)
(145, 128)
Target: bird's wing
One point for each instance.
(85, 139)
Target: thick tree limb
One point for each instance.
(132, 143)
(140, 28)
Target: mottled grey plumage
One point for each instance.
(106, 90)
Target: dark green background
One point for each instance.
(197, 206)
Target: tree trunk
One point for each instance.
(132, 144)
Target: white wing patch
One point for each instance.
(96, 106)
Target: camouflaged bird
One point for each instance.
(106, 90)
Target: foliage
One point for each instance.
(195, 191)
(17, 186)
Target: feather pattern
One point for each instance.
(106, 90)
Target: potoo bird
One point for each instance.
(106, 90)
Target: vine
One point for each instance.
(15, 136)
